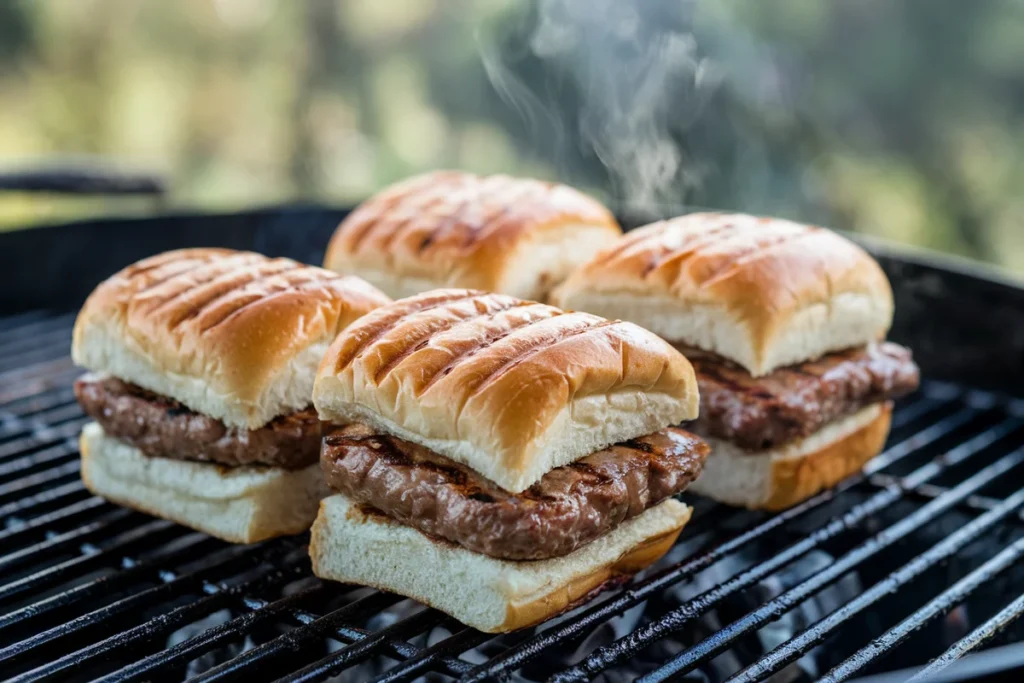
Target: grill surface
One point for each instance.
(90, 590)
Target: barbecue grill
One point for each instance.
(916, 560)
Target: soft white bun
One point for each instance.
(453, 229)
(511, 388)
(492, 595)
(233, 335)
(763, 292)
(236, 504)
(781, 477)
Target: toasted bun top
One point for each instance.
(508, 387)
(234, 335)
(763, 292)
(453, 229)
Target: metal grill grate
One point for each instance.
(90, 590)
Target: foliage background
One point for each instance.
(899, 118)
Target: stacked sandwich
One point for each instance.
(785, 325)
(516, 236)
(496, 458)
(202, 365)
(500, 459)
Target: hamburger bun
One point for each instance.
(781, 477)
(233, 335)
(762, 292)
(517, 236)
(355, 545)
(510, 388)
(235, 504)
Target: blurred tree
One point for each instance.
(800, 89)
(902, 119)
(16, 32)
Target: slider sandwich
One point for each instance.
(452, 229)
(785, 327)
(202, 364)
(500, 459)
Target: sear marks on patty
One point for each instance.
(756, 413)
(161, 427)
(569, 507)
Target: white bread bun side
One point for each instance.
(510, 388)
(233, 335)
(354, 545)
(762, 292)
(781, 477)
(236, 504)
(516, 236)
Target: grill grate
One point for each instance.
(90, 590)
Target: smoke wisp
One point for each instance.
(638, 82)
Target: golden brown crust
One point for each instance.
(492, 373)
(456, 229)
(229, 319)
(751, 263)
(580, 588)
(796, 479)
(761, 273)
(259, 516)
(518, 615)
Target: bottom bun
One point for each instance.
(354, 545)
(237, 504)
(781, 477)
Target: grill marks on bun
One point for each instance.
(234, 335)
(373, 328)
(702, 252)
(210, 281)
(749, 253)
(672, 258)
(763, 292)
(208, 358)
(497, 233)
(509, 387)
(782, 322)
(536, 346)
(446, 324)
(482, 427)
(494, 330)
(538, 313)
(211, 287)
(465, 208)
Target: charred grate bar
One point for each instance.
(91, 591)
(975, 639)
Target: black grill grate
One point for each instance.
(90, 590)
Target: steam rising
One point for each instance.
(640, 83)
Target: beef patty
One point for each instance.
(162, 427)
(793, 402)
(569, 507)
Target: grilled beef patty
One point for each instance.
(791, 403)
(568, 508)
(162, 427)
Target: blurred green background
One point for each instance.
(899, 118)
